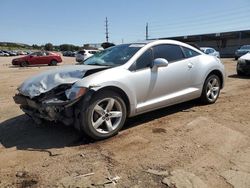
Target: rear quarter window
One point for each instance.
(189, 52)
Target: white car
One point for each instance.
(82, 55)
(210, 51)
(3, 53)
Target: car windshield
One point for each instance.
(246, 47)
(114, 56)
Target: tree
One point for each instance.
(35, 46)
(68, 47)
(107, 45)
(48, 47)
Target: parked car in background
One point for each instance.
(242, 51)
(7, 52)
(38, 58)
(21, 53)
(243, 65)
(85, 54)
(1, 53)
(69, 53)
(12, 53)
(210, 51)
(4, 53)
(29, 52)
(119, 82)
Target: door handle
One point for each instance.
(190, 65)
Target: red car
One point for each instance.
(38, 58)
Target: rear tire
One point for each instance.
(211, 89)
(104, 116)
(53, 63)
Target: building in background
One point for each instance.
(226, 42)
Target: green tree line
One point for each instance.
(47, 46)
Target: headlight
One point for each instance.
(75, 92)
(241, 61)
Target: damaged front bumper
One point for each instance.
(51, 109)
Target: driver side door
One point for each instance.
(163, 86)
(35, 58)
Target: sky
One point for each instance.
(80, 22)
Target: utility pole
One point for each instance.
(147, 31)
(107, 31)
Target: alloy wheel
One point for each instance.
(213, 89)
(106, 115)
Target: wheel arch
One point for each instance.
(122, 93)
(53, 60)
(219, 74)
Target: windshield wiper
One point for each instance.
(106, 65)
(95, 64)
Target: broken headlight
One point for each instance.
(75, 92)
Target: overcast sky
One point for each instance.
(83, 21)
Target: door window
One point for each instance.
(144, 61)
(169, 52)
(39, 54)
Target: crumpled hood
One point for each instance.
(50, 79)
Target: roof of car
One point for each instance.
(205, 48)
(166, 41)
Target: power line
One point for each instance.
(210, 13)
(203, 21)
(231, 22)
(210, 25)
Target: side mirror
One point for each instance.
(31, 56)
(159, 62)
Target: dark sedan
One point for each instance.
(38, 58)
(242, 51)
(243, 65)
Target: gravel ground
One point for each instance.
(186, 145)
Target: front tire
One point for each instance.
(24, 64)
(240, 73)
(104, 116)
(211, 89)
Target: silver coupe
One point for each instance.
(119, 82)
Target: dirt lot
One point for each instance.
(187, 145)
